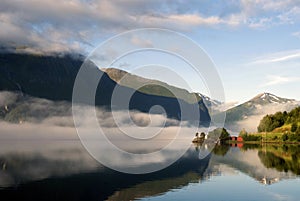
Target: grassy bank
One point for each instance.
(272, 138)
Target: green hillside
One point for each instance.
(149, 86)
(279, 119)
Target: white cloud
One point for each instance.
(278, 57)
(74, 25)
(194, 19)
(277, 80)
(225, 106)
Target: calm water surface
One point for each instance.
(63, 170)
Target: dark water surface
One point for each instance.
(63, 170)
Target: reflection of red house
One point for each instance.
(239, 145)
(237, 141)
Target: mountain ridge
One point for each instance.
(53, 77)
(150, 86)
(247, 115)
(252, 106)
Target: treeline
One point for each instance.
(248, 137)
(270, 122)
(219, 133)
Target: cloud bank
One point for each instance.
(47, 139)
(78, 25)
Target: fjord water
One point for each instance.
(63, 170)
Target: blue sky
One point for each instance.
(254, 44)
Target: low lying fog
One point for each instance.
(43, 142)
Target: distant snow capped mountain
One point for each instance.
(248, 114)
(268, 98)
(209, 102)
(263, 103)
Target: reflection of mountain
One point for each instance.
(61, 177)
(155, 187)
(101, 184)
(249, 162)
(25, 161)
(53, 77)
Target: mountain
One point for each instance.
(248, 114)
(52, 78)
(210, 102)
(156, 87)
(17, 108)
(267, 98)
(260, 104)
(150, 86)
(214, 106)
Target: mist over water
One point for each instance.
(45, 146)
(42, 135)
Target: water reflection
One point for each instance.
(64, 171)
(283, 158)
(262, 162)
(98, 183)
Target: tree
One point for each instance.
(294, 127)
(285, 137)
(298, 130)
(224, 134)
(264, 125)
(270, 122)
(247, 137)
(219, 133)
(243, 132)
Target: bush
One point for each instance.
(292, 137)
(285, 137)
(294, 127)
(247, 137)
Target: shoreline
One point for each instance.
(262, 142)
